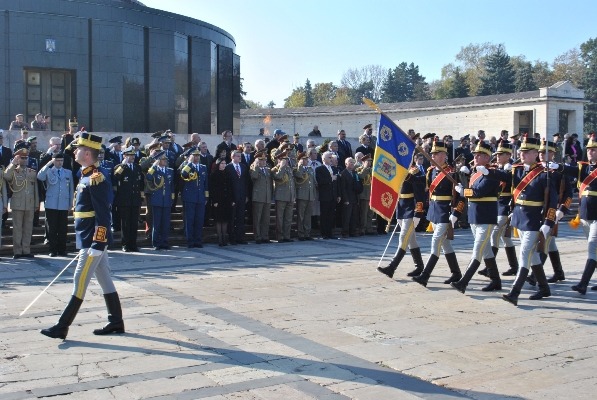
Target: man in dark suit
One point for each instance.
(5, 152)
(273, 145)
(365, 147)
(204, 157)
(296, 142)
(327, 183)
(344, 148)
(248, 158)
(226, 145)
(238, 189)
(350, 199)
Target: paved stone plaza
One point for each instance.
(297, 321)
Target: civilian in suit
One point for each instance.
(333, 148)
(175, 147)
(160, 180)
(273, 145)
(207, 160)
(285, 195)
(306, 194)
(226, 145)
(220, 198)
(314, 162)
(344, 148)
(248, 158)
(58, 201)
(238, 191)
(350, 199)
(129, 181)
(365, 147)
(195, 195)
(5, 157)
(116, 157)
(327, 183)
(261, 176)
(296, 142)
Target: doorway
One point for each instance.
(50, 92)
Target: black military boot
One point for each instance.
(115, 322)
(531, 278)
(454, 268)
(512, 297)
(60, 330)
(581, 287)
(466, 278)
(512, 260)
(594, 288)
(418, 259)
(483, 272)
(558, 271)
(390, 269)
(424, 277)
(541, 282)
(494, 275)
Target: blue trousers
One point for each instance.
(161, 226)
(193, 222)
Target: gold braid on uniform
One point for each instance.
(96, 178)
(192, 176)
(301, 181)
(284, 179)
(156, 185)
(15, 184)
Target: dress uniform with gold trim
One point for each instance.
(161, 183)
(195, 194)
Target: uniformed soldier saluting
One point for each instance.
(261, 176)
(441, 193)
(408, 215)
(304, 178)
(532, 193)
(129, 182)
(365, 211)
(285, 195)
(92, 227)
(482, 195)
(160, 180)
(195, 195)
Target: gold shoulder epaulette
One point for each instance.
(96, 178)
(430, 168)
(413, 170)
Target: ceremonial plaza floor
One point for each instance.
(298, 320)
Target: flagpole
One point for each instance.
(422, 151)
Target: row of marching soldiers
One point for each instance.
(530, 195)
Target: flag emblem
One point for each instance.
(402, 149)
(385, 133)
(386, 168)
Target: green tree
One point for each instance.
(296, 98)
(499, 74)
(542, 74)
(324, 94)
(308, 94)
(404, 83)
(472, 58)
(458, 86)
(589, 83)
(251, 104)
(569, 67)
(365, 89)
(271, 104)
(524, 81)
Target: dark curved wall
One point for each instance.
(132, 68)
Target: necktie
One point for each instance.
(421, 168)
(263, 169)
(247, 158)
(313, 163)
(306, 169)
(59, 174)
(237, 170)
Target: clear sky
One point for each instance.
(282, 43)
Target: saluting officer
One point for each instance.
(304, 178)
(482, 195)
(92, 226)
(160, 180)
(129, 181)
(529, 183)
(285, 195)
(261, 176)
(408, 215)
(3, 197)
(195, 195)
(145, 163)
(441, 193)
(365, 212)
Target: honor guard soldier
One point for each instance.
(22, 182)
(195, 194)
(586, 173)
(304, 178)
(532, 193)
(160, 180)
(365, 212)
(92, 227)
(408, 215)
(261, 176)
(441, 197)
(285, 195)
(504, 154)
(60, 190)
(129, 182)
(482, 195)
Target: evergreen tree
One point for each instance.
(458, 86)
(524, 78)
(308, 94)
(365, 89)
(499, 74)
(271, 104)
(387, 89)
(404, 83)
(589, 84)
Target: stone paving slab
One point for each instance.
(309, 320)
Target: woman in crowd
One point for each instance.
(220, 199)
(573, 149)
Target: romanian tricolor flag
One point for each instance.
(393, 157)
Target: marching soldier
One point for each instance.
(92, 226)
(304, 178)
(261, 176)
(482, 195)
(365, 212)
(532, 193)
(129, 181)
(22, 182)
(195, 195)
(160, 180)
(441, 194)
(285, 195)
(408, 215)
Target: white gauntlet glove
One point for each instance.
(453, 219)
(465, 169)
(508, 167)
(559, 215)
(416, 221)
(459, 188)
(482, 170)
(545, 230)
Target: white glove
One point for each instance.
(465, 169)
(482, 170)
(508, 167)
(551, 165)
(459, 188)
(545, 230)
(416, 221)
(453, 219)
(582, 221)
(94, 252)
(559, 215)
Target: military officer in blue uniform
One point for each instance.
(408, 215)
(160, 180)
(530, 183)
(195, 195)
(129, 182)
(92, 227)
(586, 174)
(482, 195)
(441, 193)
